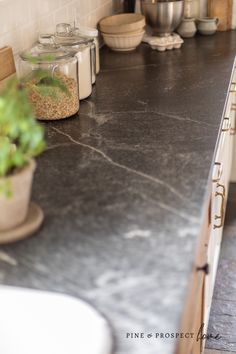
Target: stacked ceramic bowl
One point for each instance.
(123, 32)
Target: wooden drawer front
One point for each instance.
(213, 258)
(194, 305)
(220, 186)
(193, 316)
(231, 111)
(221, 174)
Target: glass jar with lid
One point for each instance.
(85, 50)
(192, 9)
(50, 75)
(93, 33)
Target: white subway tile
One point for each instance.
(61, 15)
(22, 20)
(29, 33)
(46, 24)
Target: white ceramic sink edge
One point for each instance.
(40, 322)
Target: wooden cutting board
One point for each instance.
(222, 9)
(4, 82)
(7, 64)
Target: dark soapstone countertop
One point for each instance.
(123, 187)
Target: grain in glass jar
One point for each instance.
(50, 75)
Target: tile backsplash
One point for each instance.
(22, 20)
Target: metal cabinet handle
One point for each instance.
(216, 177)
(222, 208)
(205, 269)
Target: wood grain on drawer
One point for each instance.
(7, 64)
(194, 307)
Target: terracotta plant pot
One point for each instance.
(13, 210)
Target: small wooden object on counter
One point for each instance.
(7, 64)
(223, 10)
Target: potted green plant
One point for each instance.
(21, 139)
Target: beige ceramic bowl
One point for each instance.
(122, 23)
(123, 42)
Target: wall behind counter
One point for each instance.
(22, 20)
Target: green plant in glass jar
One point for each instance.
(54, 95)
(21, 139)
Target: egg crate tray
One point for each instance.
(174, 41)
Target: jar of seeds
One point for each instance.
(50, 75)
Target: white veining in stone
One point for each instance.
(181, 214)
(126, 168)
(184, 232)
(171, 209)
(6, 258)
(164, 114)
(137, 233)
(41, 268)
(52, 147)
(142, 102)
(100, 118)
(105, 116)
(107, 278)
(128, 68)
(120, 286)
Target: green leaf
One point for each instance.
(21, 135)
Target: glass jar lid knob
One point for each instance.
(64, 29)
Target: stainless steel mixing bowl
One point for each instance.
(162, 15)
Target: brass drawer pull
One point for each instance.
(233, 130)
(228, 125)
(217, 176)
(222, 209)
(234, 87)
(233, 107)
